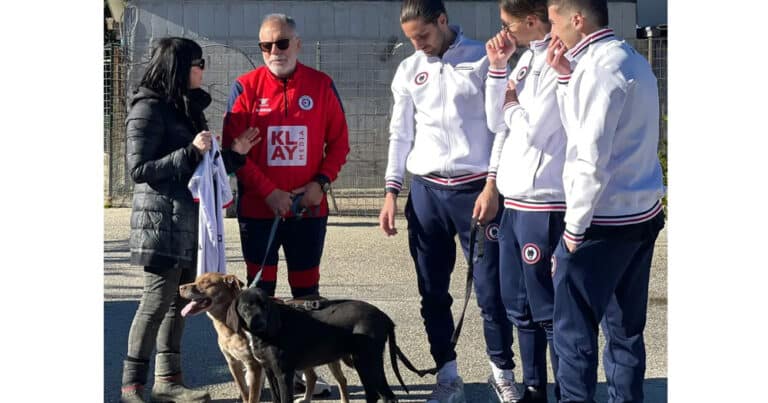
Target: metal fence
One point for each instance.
(362, 72)
(117, 186)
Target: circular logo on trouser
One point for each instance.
(531, 253)
(554, 265)
(492, 232)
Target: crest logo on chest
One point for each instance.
(421, 78)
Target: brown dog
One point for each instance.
(214, 293)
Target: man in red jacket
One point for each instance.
(298, 110)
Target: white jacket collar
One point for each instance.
(577, 51)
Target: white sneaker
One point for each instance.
(505, 389)
(445, 392)
(322, 388)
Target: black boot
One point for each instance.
(169, 386)
(534, 395)
(134, 378)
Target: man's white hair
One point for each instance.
(283, 19)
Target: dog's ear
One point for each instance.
(233, 319)
(232, 280)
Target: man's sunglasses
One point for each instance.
(199, 63)
(282, 44)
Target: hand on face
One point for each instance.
(500, 48)
(556, 56)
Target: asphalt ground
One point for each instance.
(358, 262)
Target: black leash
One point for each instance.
(297, 212)
(474, 229)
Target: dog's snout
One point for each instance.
(185, 288)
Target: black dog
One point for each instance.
(286, 339)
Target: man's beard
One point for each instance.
(282, 69)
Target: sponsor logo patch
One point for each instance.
(306, 103)
(492, 232)
(263, 105)
(287, 146)
(421, 78)
(531, 253)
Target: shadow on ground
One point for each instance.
(198, 344)
(202, 354)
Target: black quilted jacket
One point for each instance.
(161, 160)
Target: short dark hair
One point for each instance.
(427, 10)
(524, 8)
(594, 10)
(168, 70)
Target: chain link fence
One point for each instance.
(362, 72)
(117, 184)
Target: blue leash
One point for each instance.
(297, 212)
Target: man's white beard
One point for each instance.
(281, 70)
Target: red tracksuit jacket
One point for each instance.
(303, 129)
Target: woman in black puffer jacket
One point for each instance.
(167, 135)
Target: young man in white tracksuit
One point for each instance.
(441, 88)
(609, 105)
(527, 159)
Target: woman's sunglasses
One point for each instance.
(199, 63)
(282, 44)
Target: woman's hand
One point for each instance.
(243, 143)
(202, 141)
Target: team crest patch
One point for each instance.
(554, 266)
(531, 253)
(306, 103)
(492, 232)
(522, 73)
(421, 78)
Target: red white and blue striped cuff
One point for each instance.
(494, 73)
(563, 79)
(393, 186)
(510, 105)
(491, 175)
(573, 238)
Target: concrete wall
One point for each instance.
(237, 21)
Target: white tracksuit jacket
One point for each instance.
(609, 105)
(529, 148)
(445, 97)
(210, 187)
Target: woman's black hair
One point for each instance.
(168, 70)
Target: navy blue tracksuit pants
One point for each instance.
(604, 281)
(435, 214)
(302, 240)
(526, 241)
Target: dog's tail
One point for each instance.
(395, 353)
